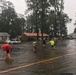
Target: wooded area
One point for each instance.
(47, 16)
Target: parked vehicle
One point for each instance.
(13, 41)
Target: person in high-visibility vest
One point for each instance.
(52, 42)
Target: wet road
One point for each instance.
(45, 61)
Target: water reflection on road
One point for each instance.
(60, 60)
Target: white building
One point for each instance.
(72, 36)
(4, 36)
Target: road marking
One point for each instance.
(35, 63)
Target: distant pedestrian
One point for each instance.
(55, 40)
(6, 48)
(52, 42)
(34, 46)
(44, 42)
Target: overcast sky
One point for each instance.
(69, 8)
(20, 5)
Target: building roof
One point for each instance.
(35, 34)
(4, 34)
(72, 34)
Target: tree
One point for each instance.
(50, 17)
(10, 22)
(39, 8)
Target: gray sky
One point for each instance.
(69, 8)
(20, 5)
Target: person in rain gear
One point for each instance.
(6, 48)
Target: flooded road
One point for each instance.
(45, 61)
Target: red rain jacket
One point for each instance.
(6, 47)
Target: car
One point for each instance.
(8, 41)
(13, 41)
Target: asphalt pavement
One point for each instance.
(46, 61)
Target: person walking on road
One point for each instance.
(34, 46)
(44, 43)
(6, 48)
(55, 40)
(52, 42)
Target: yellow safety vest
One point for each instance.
(52, 42)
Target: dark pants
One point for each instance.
(7, 51)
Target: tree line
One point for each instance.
(46, 16)
(10, 22)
